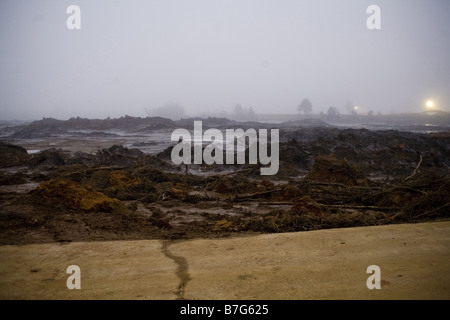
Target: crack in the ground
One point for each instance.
(182, 271)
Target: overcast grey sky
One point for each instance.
(209, 55)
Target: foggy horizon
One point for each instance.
(132, 57)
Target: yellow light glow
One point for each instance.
(430, 104)
(356, 108)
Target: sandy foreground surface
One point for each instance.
(414, 260)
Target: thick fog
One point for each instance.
(198, 57)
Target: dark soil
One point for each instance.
(328, 178)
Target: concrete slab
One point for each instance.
(109, 270)
(329, 264)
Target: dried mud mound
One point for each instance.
(73, 196)
(328, 168)
(12, 155)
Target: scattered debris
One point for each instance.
(328, 178)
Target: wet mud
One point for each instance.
(329, 178)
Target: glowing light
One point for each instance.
(356, 108)
(430, 104)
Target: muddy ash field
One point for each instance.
(96, 180)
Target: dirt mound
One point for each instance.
(76, 197)
(440, 135)
(12, 155)
(389, 152)
(121, 180)
(306, 205)
(118, 155)
(328, 168)
(12, 179)
(12, 149)
(48, 158)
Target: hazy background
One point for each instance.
(208, 55)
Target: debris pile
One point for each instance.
(328, 178)
(49, 158)
(328, 168)
(73, 196)
(12, 155)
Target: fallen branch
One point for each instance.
(404, 187)
(415, 170)
(334, 206)
(277, 203)
(187, 170)
(344, 206)
(431, 211)
(334, 184)
(234, 172)
(391, 189)
(257, 194)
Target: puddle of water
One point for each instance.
(19, 188)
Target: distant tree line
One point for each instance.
(170, 110)
(240, 113)
(306, 108)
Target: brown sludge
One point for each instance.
(111, 201)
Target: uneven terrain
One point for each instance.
(87, 185)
